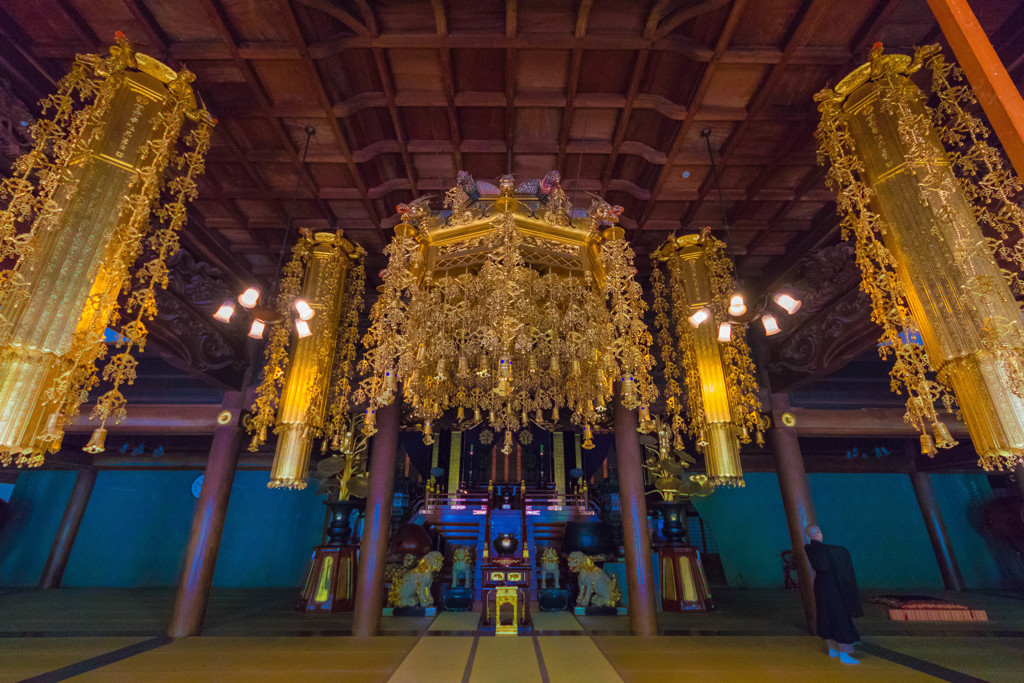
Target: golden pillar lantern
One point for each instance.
(720, 389)
(927, 264)
(323, 282)
(78, 213)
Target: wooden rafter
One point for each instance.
(332, 123)
(448, 79)
(705, 81)
(220, 23)
(582, 15)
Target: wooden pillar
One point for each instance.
(208, 522)
(65, 540)
(796, 500)
(373, 553)
(635, 527)
(948, 566)
(986, 73)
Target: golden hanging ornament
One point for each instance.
(508, 281)
(77, 233)
(918, 186)
(720, 400)
(304, 374)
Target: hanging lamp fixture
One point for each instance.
(263, 316)
(737, 312)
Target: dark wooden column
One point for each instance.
(986, 73)
(635, 528)
(796, 499)
(948, 566)
(373, 552)
(61, 550)
(208, 523)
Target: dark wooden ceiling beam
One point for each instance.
(220, 24)
(511, 28)
(276, 50)
(15, 38)
(807, 182)
(576, 63)
(864, 36)
(448, 83)
(157, 38)
(331, 9)
(619, 135)
(387, 84)
(702, 87)
(82, 27)
(684, 14)
(332, 123)
(807, 21)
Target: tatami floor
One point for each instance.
(254, 635)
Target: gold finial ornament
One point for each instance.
(532, 302)
(75, 215)
(303, 375)
(935, 213)
(720, 396)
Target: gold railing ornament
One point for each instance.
(303, 375)
(89, 219)
(510, 306)
(719, 407)
(932, 209)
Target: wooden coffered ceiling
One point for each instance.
(403, 93)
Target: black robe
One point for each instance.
(835, 592)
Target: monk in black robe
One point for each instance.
(835, 594)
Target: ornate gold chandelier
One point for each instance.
(931, 206)
(310, 368)
(698, 340)
(510, 307)
(77, 219)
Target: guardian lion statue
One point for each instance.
(597, 588)
(413, 588)
(462, 566)
(548, 565)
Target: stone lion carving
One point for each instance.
(462, 566)
(548, 565)
(597, 588)
(412, 589)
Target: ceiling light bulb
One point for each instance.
(305, 312)
(225, 311)
(700, 316)
(771, 326)
(302, 327)
(256, 331)
(725, 332)
(787, 302)
(249, 297)
(736, 305)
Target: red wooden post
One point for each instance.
(208, 523)
(996, 92)
(373, 553)
(62, 544)
(635, 528)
